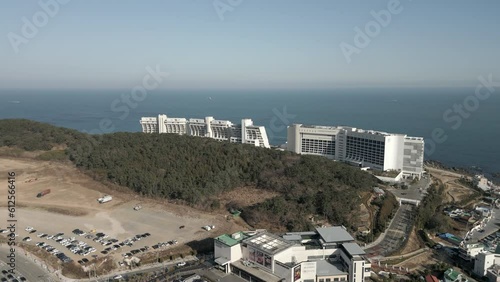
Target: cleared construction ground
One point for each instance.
(72, 204)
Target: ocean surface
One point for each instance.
(467, 138)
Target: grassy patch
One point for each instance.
(65, 211)
(11, 152)
(56, 155)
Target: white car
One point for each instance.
(40, 235)
(29, 228)
(182, 263)
(117, 277)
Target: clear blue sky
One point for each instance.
(259, 44)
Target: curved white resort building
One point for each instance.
(222, 130)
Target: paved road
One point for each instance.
(25, 267)
(395, 235)
(416, 191)
(148, 269)
(34, 273)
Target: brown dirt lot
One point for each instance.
(412, 245)
(72, 204)
(246, 196)
(418, 262)
(454, 190)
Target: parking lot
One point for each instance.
(24, 270)
(8, 276)
(492, 240)
(83, 239)
(72, 204)
(415, 191)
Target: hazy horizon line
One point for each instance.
(253, 89)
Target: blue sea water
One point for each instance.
(470, 139)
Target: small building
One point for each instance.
(378, 192)
(493, 273)
(452, 275)
(483, 211)
(451, 238)
(485, 261)
(469, 252)
(431, 278)
(483, 183)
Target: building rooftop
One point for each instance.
(431, 278)
(230, 241)
(335, 234)
(452, 275)
(353, 249)
(495, 269)
(268, 243)
(474, 245)
(222, 261)
(325, 268)
(292, 237)
(303, 233)
(357, 130)
(257, 272)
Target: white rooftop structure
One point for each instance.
(334, 234)
(268, 243)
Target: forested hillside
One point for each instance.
(31, 135)
(197, 170)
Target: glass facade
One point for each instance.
(365, 150)
(322, 147)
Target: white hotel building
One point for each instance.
(325, 255)
(364, 148)
(222, 130)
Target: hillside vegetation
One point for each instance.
(197, 170)
(31, 135)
